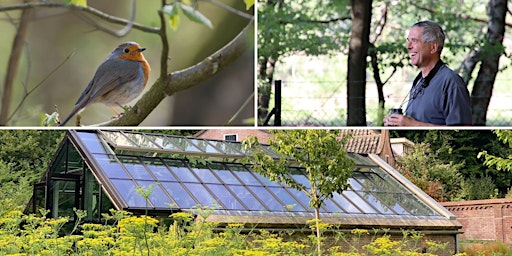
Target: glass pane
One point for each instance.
(356, 200)
(205, 175)
(301, 197)
(184, 174)
(226, 198)
(330, 206)
(140, 140)
(225, 175)
(179, 194)
(244, 175)
(203, 196)
(228, 148)
(165, 143)
(376, 203)
(290, 203)
(361, 160)
(184, 144)
(92, 142)
(413, 205)
(127, 189)
(266, 181)
(345, 204)
(205, 146)
(247, 198)
(158, 198)
(268, 199)
(118, 139)
(159, 170)
(135, 168)
(302, 179)
(111, 167)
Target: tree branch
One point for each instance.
(12, 66)
(184, 79)
(86, 9)
(461, 15)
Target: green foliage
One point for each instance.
(474, 188)
(423, 167)
(24, 156)
(190, 12)
(463, 146)
(76, 2)
(288, 27)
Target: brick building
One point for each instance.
(489, 219)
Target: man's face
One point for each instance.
(420, 52)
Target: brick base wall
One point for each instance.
(484, 219)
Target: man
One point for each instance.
(438, 95)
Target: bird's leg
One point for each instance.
(115, 111)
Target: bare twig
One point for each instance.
(12, 66)
(247, 101)
(27, 93)
(165, 44)
(117, 33)
(86, 9)
(184, 79)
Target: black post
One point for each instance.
(277, 103)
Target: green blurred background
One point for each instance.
(54, 33)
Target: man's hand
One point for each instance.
(402, 120)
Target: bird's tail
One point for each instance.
(76, 109)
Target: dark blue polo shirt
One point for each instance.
(445, 101)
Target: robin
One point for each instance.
(117, 81)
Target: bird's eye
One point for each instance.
(126, 50)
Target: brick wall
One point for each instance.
(484, 219)
(218, 134)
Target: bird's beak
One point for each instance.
(141, 49)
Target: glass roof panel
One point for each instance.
(184, 144)
(158, 197)
(160, 171)
(245, 176)
(290, 203)
(141, 141)
(118, 139)
(111, 167)
(226, 198)
(127, 189)
(92, 142)
(135, 168)
(184, 174)
(206, 175)
(234, 186)
(247, 198)
(267, 198)
(179, 194)
(356, 200)
(224, 174)
(204, 197)
(345, 204)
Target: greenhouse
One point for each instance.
(102, 169)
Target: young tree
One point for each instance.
(501, 163)
(321, 154)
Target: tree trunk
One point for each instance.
(482, 89)
(358, 48)
(266, 76)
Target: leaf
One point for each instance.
(196, 16)
(172, 11)
(248, 4)
(50, 119)
(77, 2)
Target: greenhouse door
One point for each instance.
(64, 195)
